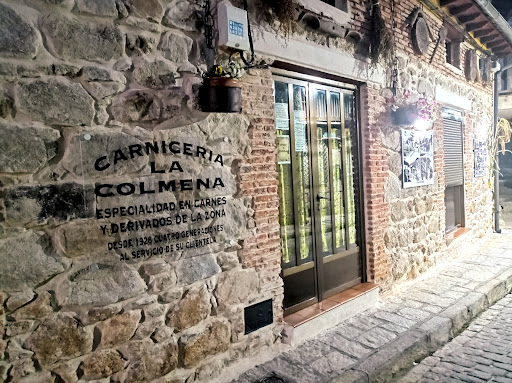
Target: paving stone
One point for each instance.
(350, 347)
(376, 337)
(332, 364)
(395, 318)
(309, 351)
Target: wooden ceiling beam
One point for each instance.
(483, 32)
(488, 39)
(444, 3)
(470, 27)
(496, 44)
(467, 18)
(460, 9)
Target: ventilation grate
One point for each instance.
(258, 315)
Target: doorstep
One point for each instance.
(312, 320)
(450, 237)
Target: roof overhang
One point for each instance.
(483, 22)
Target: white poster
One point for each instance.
(300, 135)
(481, 158)
(417, 158)
(282, 116)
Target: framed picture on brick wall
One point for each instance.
(481, 158)
(417, 158)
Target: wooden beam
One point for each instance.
(467, 18)
(474, 26)
(444, 3)
(488, 39)
(483, 32)
(460, 9)
(495, 44)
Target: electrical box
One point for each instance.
(233, 25)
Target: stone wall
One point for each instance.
(85, 85)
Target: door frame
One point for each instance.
(342, 86)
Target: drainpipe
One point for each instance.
(497, 206)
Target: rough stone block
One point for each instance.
(26, 149)
(439, 331)
(19, 299)
(146, 9)
(138, 44)
(26, 262)
(114, 146)
(56, 102)
(118, 329)
(195, 269)
(476, 301)
(175, 46)
(39, 308)
(157, 73)
(192, 309)
(100, 284)
(31, 204)
(458, 314)
(148, 360)
(136, 105)
(234, 287)
(97, 7)
(494, 290)
(395, 357)
(18, 38)
(7, 108)
(81, 238)
(102, 364)
(71, 38)
(181, 15)
(213, 340)
(59, 337)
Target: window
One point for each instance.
(340, 4)
(453, 53)
(453, 169)
(337, 10)
(453, 40)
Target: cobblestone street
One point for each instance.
(482, 353)
(382, 344)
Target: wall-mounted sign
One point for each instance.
(417, 158)
(481, 158)
(171, 209)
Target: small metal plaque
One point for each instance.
(258, 315)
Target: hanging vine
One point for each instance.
(382, 47)
(284, 12)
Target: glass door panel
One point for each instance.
(337, 170)
(284, 168)
(302, 185)
(323, 189)
(294, 178)
(349, 138)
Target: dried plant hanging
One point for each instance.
(381, 39)
(284, 12)
(497, 141)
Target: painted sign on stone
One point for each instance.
(179, 201)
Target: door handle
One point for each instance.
(319, 197)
